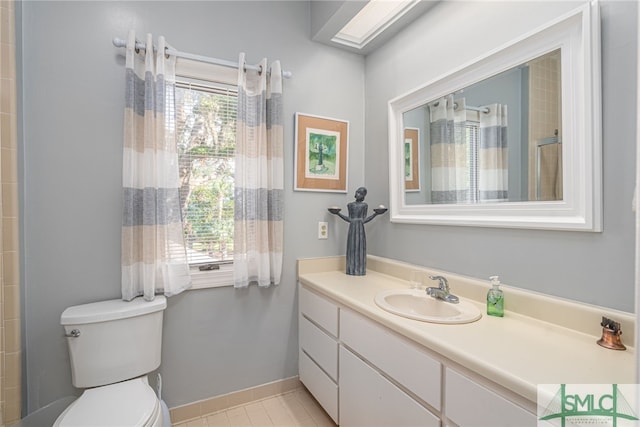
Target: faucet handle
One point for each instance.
(442, 282)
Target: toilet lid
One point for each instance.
(129, 403)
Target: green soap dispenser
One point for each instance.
(495, 298)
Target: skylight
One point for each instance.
(372, 19)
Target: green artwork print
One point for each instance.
(322, 158)
(408, 161)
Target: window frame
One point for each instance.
(187, 70)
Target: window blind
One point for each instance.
(205, 134)
(473, 141)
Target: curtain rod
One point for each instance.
(472, 108)
(485, 110)
(118, 42)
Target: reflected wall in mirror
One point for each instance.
(497, 140)
(512, 139)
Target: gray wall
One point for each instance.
(595, 268)
(216, 340)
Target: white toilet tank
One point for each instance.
(115, 340)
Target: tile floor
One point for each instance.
(291, 409)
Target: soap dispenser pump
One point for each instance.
(495, 298)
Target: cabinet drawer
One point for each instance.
(397, 357)
(319, 384)
(322, 348)
(320, 310)
(367, 399)
(471, 404)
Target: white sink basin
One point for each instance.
(416, 304)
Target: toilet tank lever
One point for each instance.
(75, 333)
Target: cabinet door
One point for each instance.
(404, 362)
(368, 399)
(319, 310)
(319, 346)
(319, 384)
(471, 404)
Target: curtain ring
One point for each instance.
(260, 72)
(166, 49)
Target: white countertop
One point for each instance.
(516, 351)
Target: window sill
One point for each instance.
(212, 279)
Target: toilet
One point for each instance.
(113, 345)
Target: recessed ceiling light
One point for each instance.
(372, 19)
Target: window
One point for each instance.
(205, 115)
(467, 133)
(472, 130)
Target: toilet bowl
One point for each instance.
(113, 345)
(129, 403)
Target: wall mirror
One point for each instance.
(512, 139)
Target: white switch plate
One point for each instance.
(323, 230)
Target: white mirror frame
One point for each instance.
(577, 34)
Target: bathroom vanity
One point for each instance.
(367, 366)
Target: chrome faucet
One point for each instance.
(442, 291)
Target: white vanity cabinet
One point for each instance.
(384, 379)
(365, 374)
(469, 403)
(369, 399)
(318, 352)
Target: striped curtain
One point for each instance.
(258, 231)
(450, 159)
(153, 251)
(492, 155)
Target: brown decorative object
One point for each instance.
(611, 335)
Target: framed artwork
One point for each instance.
(411, 159)
(321, 154)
